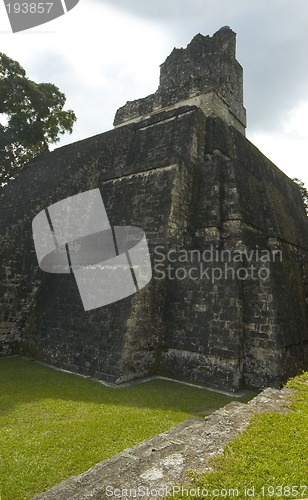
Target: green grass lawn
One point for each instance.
(271, 456)
(55, 424)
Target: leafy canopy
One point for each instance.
(303, 191)
(31, 117)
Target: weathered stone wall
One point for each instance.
(190, 182)
(241, 331)
(136, 182)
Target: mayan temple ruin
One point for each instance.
(227, 305)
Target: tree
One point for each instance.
(31, 117)
(303, 191)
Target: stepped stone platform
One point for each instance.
(165, 459)
(234, 312)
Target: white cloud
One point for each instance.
(103, 54)
(287, 147)
(98, 55)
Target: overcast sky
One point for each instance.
(105, 52)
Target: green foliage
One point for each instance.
(303, 191)
(54, 424)
(270, 456)
(31, 117)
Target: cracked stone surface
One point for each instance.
(165, 459)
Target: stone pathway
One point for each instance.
(165, 459)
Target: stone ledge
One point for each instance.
(164, 459)
(210, 103)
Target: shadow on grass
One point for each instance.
(54, 425)
(23, 381)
